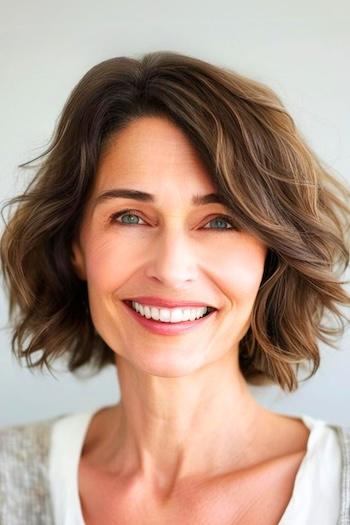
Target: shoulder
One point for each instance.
(24, 473)
(25, 444)
(33, 433)
(343, 434)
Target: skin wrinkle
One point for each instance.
(186, 411)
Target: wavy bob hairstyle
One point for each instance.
(275, 185)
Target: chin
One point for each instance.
(168, 366)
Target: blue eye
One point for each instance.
(133, 213)
(222, 219)
(125, 213)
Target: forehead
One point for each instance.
(152, 150)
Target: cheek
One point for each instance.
(243, 271)
(108, 263)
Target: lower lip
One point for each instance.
(159, 327)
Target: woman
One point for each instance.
(180, 229)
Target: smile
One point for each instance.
(193, 319)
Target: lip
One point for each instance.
(167, 328)
(166, 303)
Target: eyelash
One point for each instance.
(115, 216)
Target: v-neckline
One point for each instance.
(310, 422)
(81, 422)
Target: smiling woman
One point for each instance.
(180, 229)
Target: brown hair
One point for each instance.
(274, 183)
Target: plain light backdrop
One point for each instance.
(300, 49)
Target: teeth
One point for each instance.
(169, 315)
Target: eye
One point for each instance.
(127, 213)
(133, 222)
(222, 219)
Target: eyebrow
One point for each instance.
(125, 193)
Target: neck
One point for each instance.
(165, 429)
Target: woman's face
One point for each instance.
(168, 248)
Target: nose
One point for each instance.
(173, 259)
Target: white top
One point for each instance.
(316, 494)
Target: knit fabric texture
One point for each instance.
(24, 474)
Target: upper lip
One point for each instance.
(166, 303)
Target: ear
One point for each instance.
(78, 260)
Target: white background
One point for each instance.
(301, 49)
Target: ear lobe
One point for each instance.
(78, 261)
